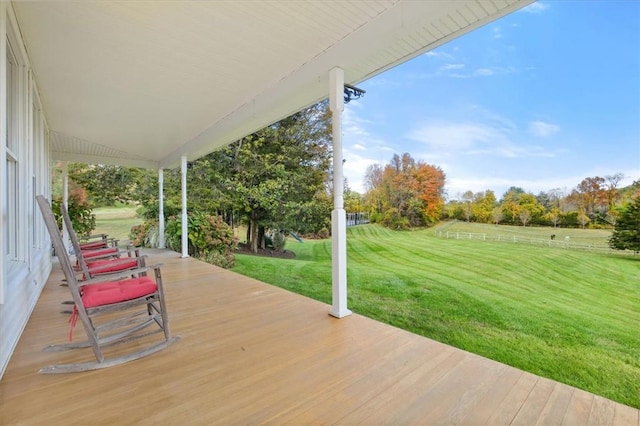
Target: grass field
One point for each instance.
(583, 236)
(116, 221)
(571, 316)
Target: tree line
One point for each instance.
(279, 180)
(595, 202)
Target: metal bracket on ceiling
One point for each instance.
(351, 93)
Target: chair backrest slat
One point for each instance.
(58, 245)
(77, 250)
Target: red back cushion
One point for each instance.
(93, 245)
(111, 265)
(99, 252)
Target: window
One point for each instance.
(12, 148)
(39, 170)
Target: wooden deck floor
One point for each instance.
(251, 353)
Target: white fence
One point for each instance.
(565, 243)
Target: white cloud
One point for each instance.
(438, 54)
(353, 124)
(447, 67)
(484, 72)
(492, 137)
(361, 148)
(542, 129)
(355, 168)
(455, 137)
(497, 33)
(536, 8)
(488, 72)
(630, 176)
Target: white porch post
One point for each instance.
(185, 224)
(161, 243)
(65, 200)
(338, 216)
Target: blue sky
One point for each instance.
(539, 99)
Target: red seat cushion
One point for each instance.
(111, 265)
(117, 291)
(99, 252)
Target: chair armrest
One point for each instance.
(108, 242)
(94, 236)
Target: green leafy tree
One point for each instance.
(530, 208)
(105, 184)
(467, 199)
(626, 233)
(497, 215)
(374, 197)
(510, 205)
(272, 176)
(520, 207)
(583, 219)
(80, 213)
(554, 216)
(483, 205)
(353, 201)
(273, 179)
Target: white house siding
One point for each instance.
(25, 254)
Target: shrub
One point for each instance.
(324, 233)
(375, 217)
(82, 218)
(210, 238)
(145, 235)
(278, 240)
(393, 220)
(226, 261)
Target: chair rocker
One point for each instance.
(112, 310)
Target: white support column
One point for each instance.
(4, 281)
(65, 199)
(185, 219)
(338, 215)
(161, 242)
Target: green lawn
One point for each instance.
(571, 316)
(581, 236)
(116, 221)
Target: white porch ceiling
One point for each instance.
(141, 83)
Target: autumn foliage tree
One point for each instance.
(406, 193)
